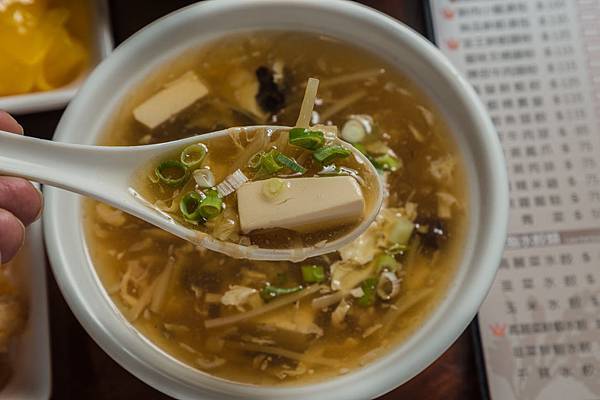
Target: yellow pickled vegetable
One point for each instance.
(38, 49)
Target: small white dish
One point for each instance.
(30, 353)
(102, 45)
(86, 117)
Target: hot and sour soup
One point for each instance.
(281, 322)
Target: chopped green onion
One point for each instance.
(193, 155)
(385, 262)
(254, 161)
(397, 249)
(270, 292)
(354, 131)
(327, 154)
(313, 273)
(204, 178)
(369, 287)
(400, 231)
(268, 164)
(305, 138)
(190, 207)
(273, 188)
(211, 205)
(386, 162)
(172, 172)
(360, 147)
(290, 163)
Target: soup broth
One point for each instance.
(272, 323)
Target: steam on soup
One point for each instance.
(273, 322)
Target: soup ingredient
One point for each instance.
(308, 139)
(193, 155)
(308, 103)
(274, 188)
(312, 273)
(356, 128)
(232, 183)
(270, 292)
(245, 91)
(172, 172)
(197, 207)
(385, 262)
(400, 230)
(41, 45)
(369, 288)
(269, 97)
(388, 285)
(271, 306)
(327, 154)
(175, 97)
(204, 178)
(307, 204)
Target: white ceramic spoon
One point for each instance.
(105, 173)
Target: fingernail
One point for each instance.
(24, 230)
(39, 214)
(6, 115)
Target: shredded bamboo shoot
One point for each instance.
(405, 303)
(292, 355)
(308, 103)
(342, 103)
(232, 319)
(353, 77)
(162, 287)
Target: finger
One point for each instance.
(21, 198)
(12, 234)
(9, 124)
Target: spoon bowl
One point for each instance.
(105, 173)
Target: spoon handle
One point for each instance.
(88, 170)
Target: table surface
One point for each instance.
(81, 370)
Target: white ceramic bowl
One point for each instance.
(191, 27)
(101, 46)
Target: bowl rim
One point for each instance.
(376, 378)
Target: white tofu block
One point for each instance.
(174, 98)
(305, 205)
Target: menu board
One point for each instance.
(536, 66)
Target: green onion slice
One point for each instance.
(254, 162)
(313, 273)
(269, 164)
(290, 163)
(211, 205)
(397, 249)
(172, 172)
(384, 262)
(327, 154)
(190, 207)
(273, 188)
(369, 287)
(386, 162)
(305, 138)
(193, 155)
(360, 147)
(270, 292)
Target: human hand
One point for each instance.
(20, 202)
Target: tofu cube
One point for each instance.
(174, 98)
(305, 205)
